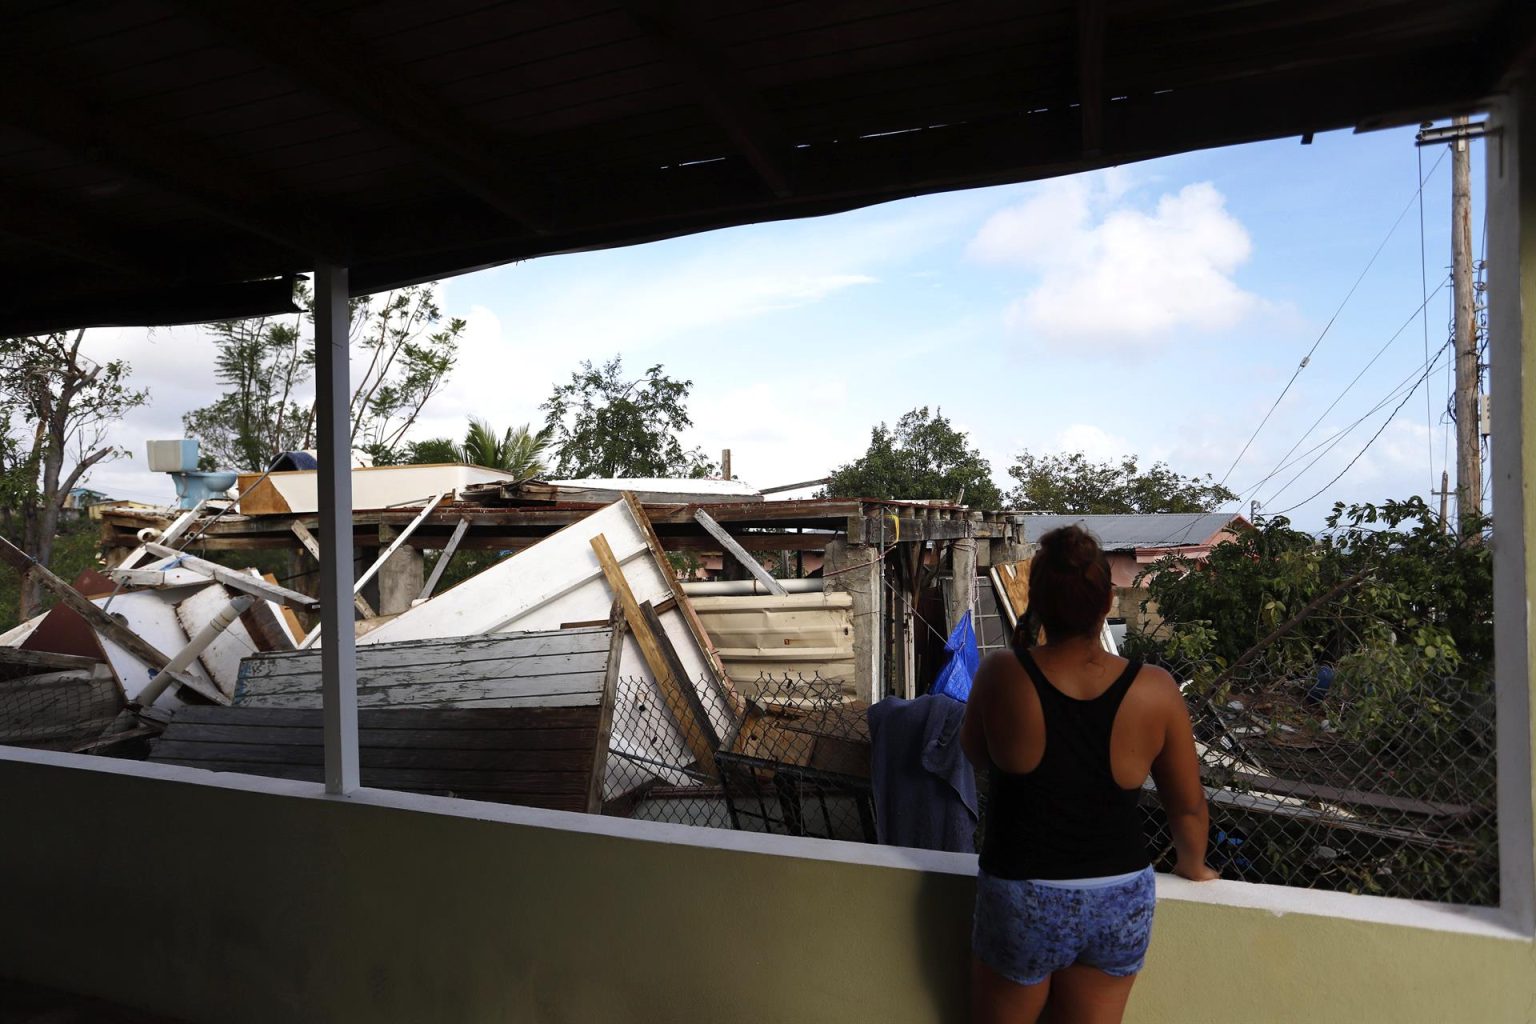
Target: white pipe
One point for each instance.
(188, 654)
(739, 588)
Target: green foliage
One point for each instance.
(519, 452)
(402, 351)
(262, 363)
(922, 457)
(1074, 485)
(602, 425)
(76, 548)
(56, 406)
(1409, 630)
(432, 451)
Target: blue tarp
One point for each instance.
(955, 679)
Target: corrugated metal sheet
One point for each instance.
(1120, 533)
(800, 635)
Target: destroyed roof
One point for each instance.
(677, 485)
(1128, 532)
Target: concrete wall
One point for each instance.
(259, 900)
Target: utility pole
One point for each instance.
(1469, 469)
(1445, 495)
(725, 464)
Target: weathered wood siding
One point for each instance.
(561, 668)
(538, 756)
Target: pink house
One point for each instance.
(1133, 542)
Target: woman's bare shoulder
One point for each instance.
(1155, 687)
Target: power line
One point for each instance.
(1328, 326)
(1348, 387)
(1322, 448)
(1429, 415)
(1379, 430)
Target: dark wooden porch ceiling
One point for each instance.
(168, 161)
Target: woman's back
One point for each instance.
(1072, 736)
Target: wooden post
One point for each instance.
(443, 558)
(667, 682)
(313, 547)
(736, 551)
(725, 464)
(338, 656)
(1469, 467)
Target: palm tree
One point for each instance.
(518, 451)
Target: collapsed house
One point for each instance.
(600, 663)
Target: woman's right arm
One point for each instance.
(1177, 774)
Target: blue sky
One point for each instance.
(1155, 309)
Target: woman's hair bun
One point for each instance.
(1069, 582)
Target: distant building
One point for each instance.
(1133, 542)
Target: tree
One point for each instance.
(262, 363)
(518, 452)
(602, 425)
(923, 457)
(1073, 485)
(402, 352)
(55, 407)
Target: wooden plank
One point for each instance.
(1337, 795)
(486, 672)
(43, 660)
(661, 671)
(458, 650)
(448, 696)
(564, 759)
(605, 716)
(443, 558)
(313, 547)
(395, 718)
(511, 783)
(735, 705)
(529, 737)
(739, 553)
(236, 580)
(158, 578)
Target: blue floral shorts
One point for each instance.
(1026, 931)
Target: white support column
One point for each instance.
(338, 654)
(1512, 373)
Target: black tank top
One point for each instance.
(1068, 818)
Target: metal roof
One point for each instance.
(168, 161)
(1127, 532)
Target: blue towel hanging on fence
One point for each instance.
(955, 679)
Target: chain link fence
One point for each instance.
(1320, 778)
(794, 759)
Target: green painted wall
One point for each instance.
(230, 906)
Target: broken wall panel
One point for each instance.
(221, 658)
(560, 580)
(797, 636)
(535, 756)
(562, 668)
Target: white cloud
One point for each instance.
(1109, 273)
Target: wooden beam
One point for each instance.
(720, 89)
(1090, 74)
(442, 561)
(313, 547)
(694, 731)
(739, 553)
(236, 580)
(384, 556)
(327, 59)
(675, 664)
